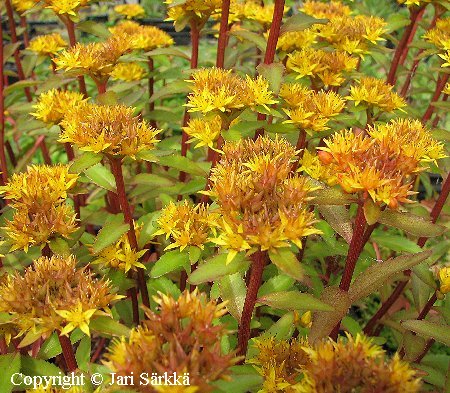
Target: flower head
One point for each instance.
(143, 37)
(53, 104)
(376, 93)
(130, 11)
(186, 225)
(311, 165)
(128, 72)
(296, 40)
(182, 336)
(324, 68)
(197, 11)
(108, 129)
(22, 6)
(444, 278)
(215, 89)
(204, 131)
(47, 45)
(53, 295)
(328, 10)
(439, 35)
(263, 206)
(413, 3)
(66, 7)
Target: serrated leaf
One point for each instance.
(428, 330)
(169, 262)
(410, 223)
(330, 196)
(294, 300)
(183, 164)
(177, 87)
(10, 365)
(38, 367)
(217, 267)
(108, 327)
(111, 232)
(51, 346)
(83, 354)
(300, 22)
(86, 160)
(338, 217)
(278, 283)
(101, 176)
(97, 29)
(233, 290)
(273, 73)
(250, 36)
(287, 262)
(378, 274)
(152, 179)
(371, 211)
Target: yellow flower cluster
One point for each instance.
(195, 11)
(219, 90)
(182, 336)
(444, 278)
(52, 105)
(296, 40)
(186, 225)
(22, 6)
(128, 72)
(47, 44)
(439, 35)
(375, 93)
(353, 364)
(54, 295)
(109, 129)
(130, 11)
(96, 59)
(310, 110)
(65, 7)
(38, 197)
(311, 165)
(263, 205)
(323, 67)
(383, 164)
(204, 131)
(328, 10)
(412, 3)
(121, 255)
(143, 37)
(353, 34)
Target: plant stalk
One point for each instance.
(222, 42)
(440, 84)
(67, 350)
(256, 272)
(3, 164)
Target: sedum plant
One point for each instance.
(262, 210)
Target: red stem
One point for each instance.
(3, 164)
(23, 24)
(222, 43)
(256, 272)
(67, 350)
(116, 167)
(440, 84)
(411, 36)
(301, 145)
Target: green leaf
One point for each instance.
(242, 380)
(324, 322)
(101, 176)
(108, 98)
(300, 22)
(330, 196)
(216, 267)
(183, 164)
(255, 38)
(51, 347)
(83, 354)
(338, 217)
(415, 225)
(169, 262)
(283, 328)
(428, 330)
(9, 49)
(108, 327)
(371, 211)
(111, 232)
(20, 85)
(60, 247)
(38, 367)
(177, 87)
(273, 73)
(97, 29)
(413, 345)
(294, 300)
(9, 364)
(233, 291)
(378, 274)
(168, 52)
(278, 283)
(287, 262)
(153, 180)
(86, 160)
(395, 242)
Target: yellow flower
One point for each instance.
(310, 110)
(439, 35)
(143, 37)
(326, 68)
(47, 45)
(321, 10)
(444, 278)
(183, 336)
(215, 89)
(296, 40)
(260, 12)
(186, 225)
(410, 3)
(76, 318)
(66, 7)
(128, 72)
(95, 59)
(312, 165)
(108, 129)
(446, 57)
(376, 93)
(204, 131)
(446, 89)
(52, 105)
(36, 299)
(198, 11)
(262, 205)
(21, 6)
(130, 11)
